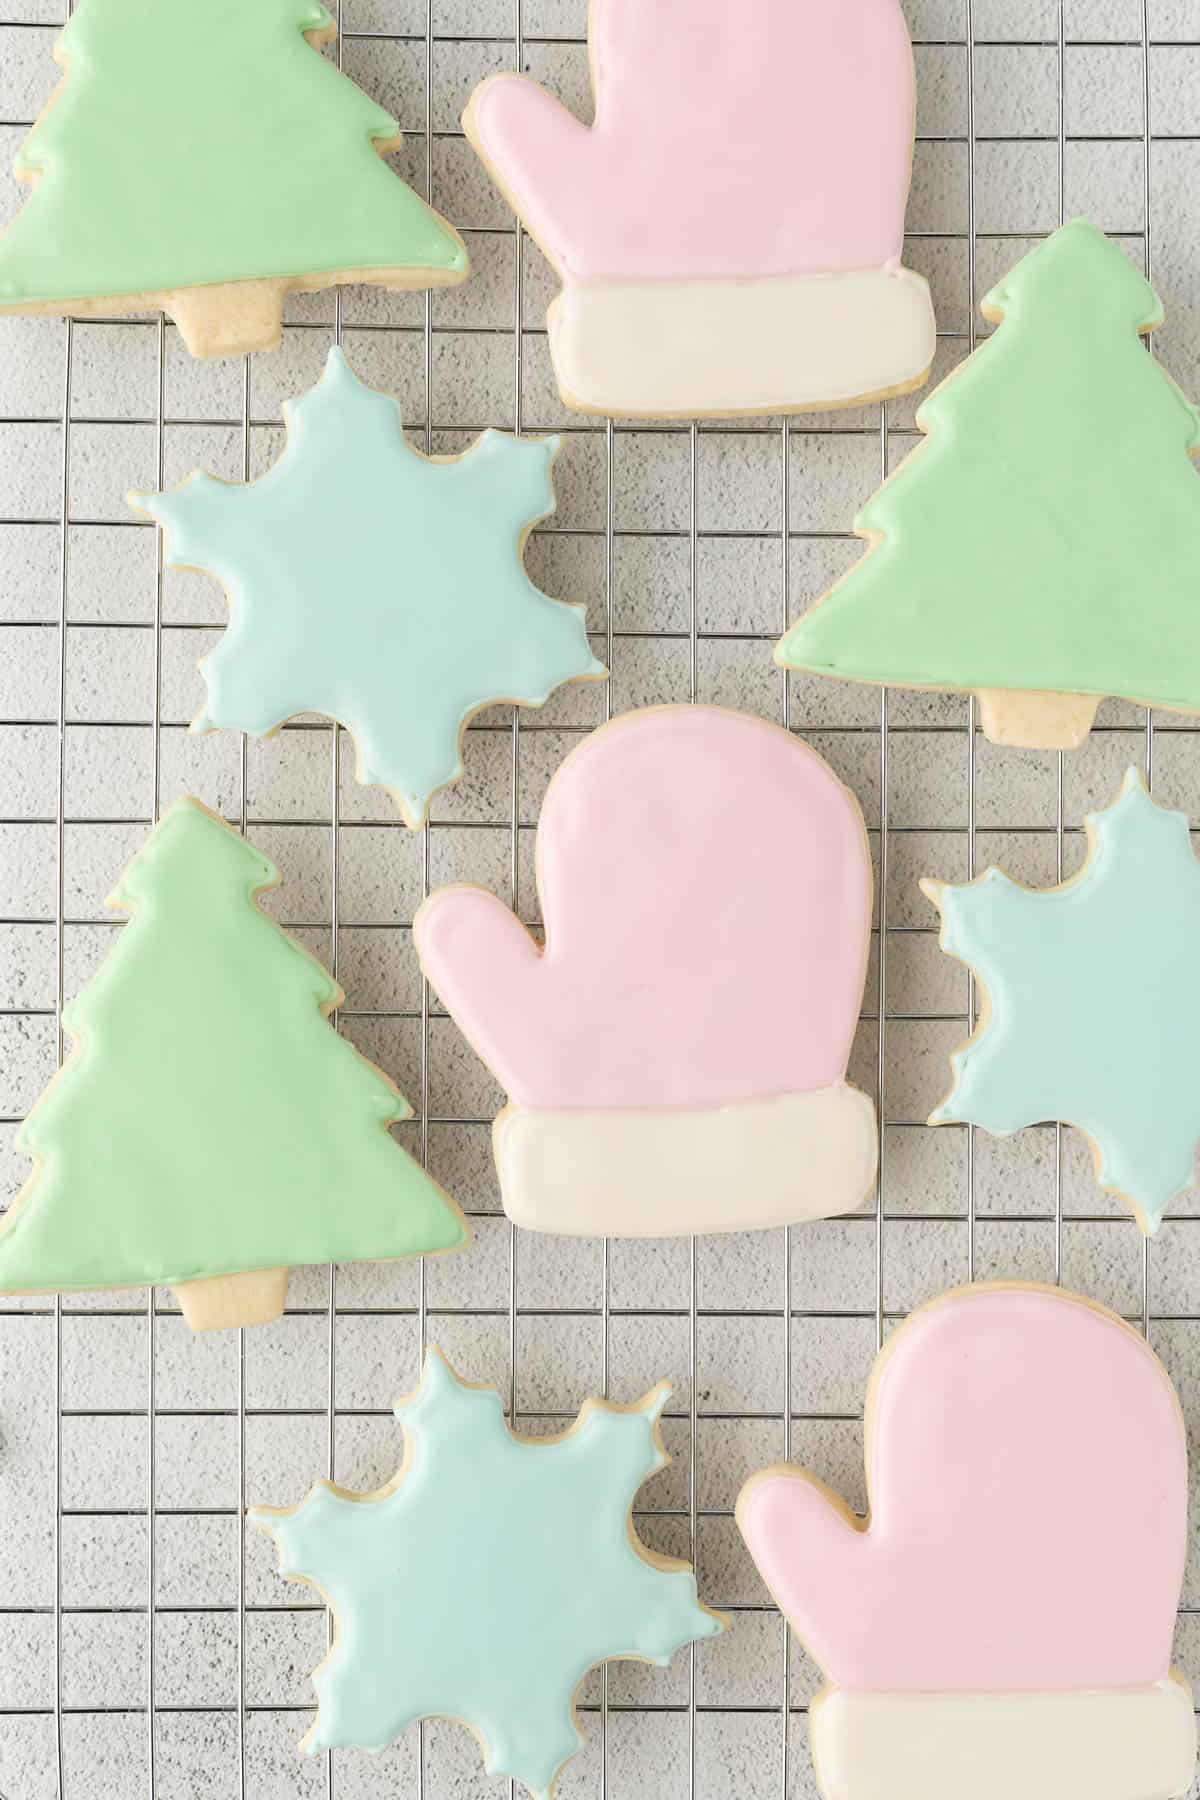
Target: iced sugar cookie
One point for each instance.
(675, 1057)
(729, 231)
(1000, 1625)
(377, 585)
(209, 1126)
(1091, 993)
(1042, 547)
(486, 1579)
(205, 158)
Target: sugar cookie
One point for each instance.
(209, 1126)
(1090, 995)
(486, 1579)
(1041, 547)
(377, 585)
(729, 232)
(206, 159)
(675, 1058)
(1001, 1623)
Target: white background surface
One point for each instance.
(256, 1423)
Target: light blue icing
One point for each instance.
(1094, 992)
(377, 586)
(487, 1580)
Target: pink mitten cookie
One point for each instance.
(729, 232)
(675, 1058)
(1000, 1627)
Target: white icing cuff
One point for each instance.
(649, 1173)
(766, 344)
(1123, 1744)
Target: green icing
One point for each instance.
(199, 141)
(210, 1120)
(1047, 535)
(378, 586)
(1094, 991)
(441, 1613)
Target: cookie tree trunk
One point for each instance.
(1032, 721)
(220, 1300)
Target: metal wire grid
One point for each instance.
(785, 1708)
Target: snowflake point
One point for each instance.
(437, 1375)
(654, 1400)
(264, 1517)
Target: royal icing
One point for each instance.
(1044, 541)
(204, 141)
(675, 1058)
(1091, 988)
(726, 243)
(377, 585)
(1138, 1745)
(209, 1120)
(1021, 1561)
(488, 1577)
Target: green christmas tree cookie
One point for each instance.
(376, 585)
(202, 156)
(486, 1579)
(210, 1126)
(1042, 548)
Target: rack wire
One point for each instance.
(742, 1729)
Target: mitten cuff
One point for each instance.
(770, 344)
(1123, 1744)
(648, 1172)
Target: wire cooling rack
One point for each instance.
(144, 1647)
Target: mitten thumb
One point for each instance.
(538, 154)
(480, 959)
(810, 1552)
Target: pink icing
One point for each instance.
(706, 891)
(1028, 1478)
(772, 138)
